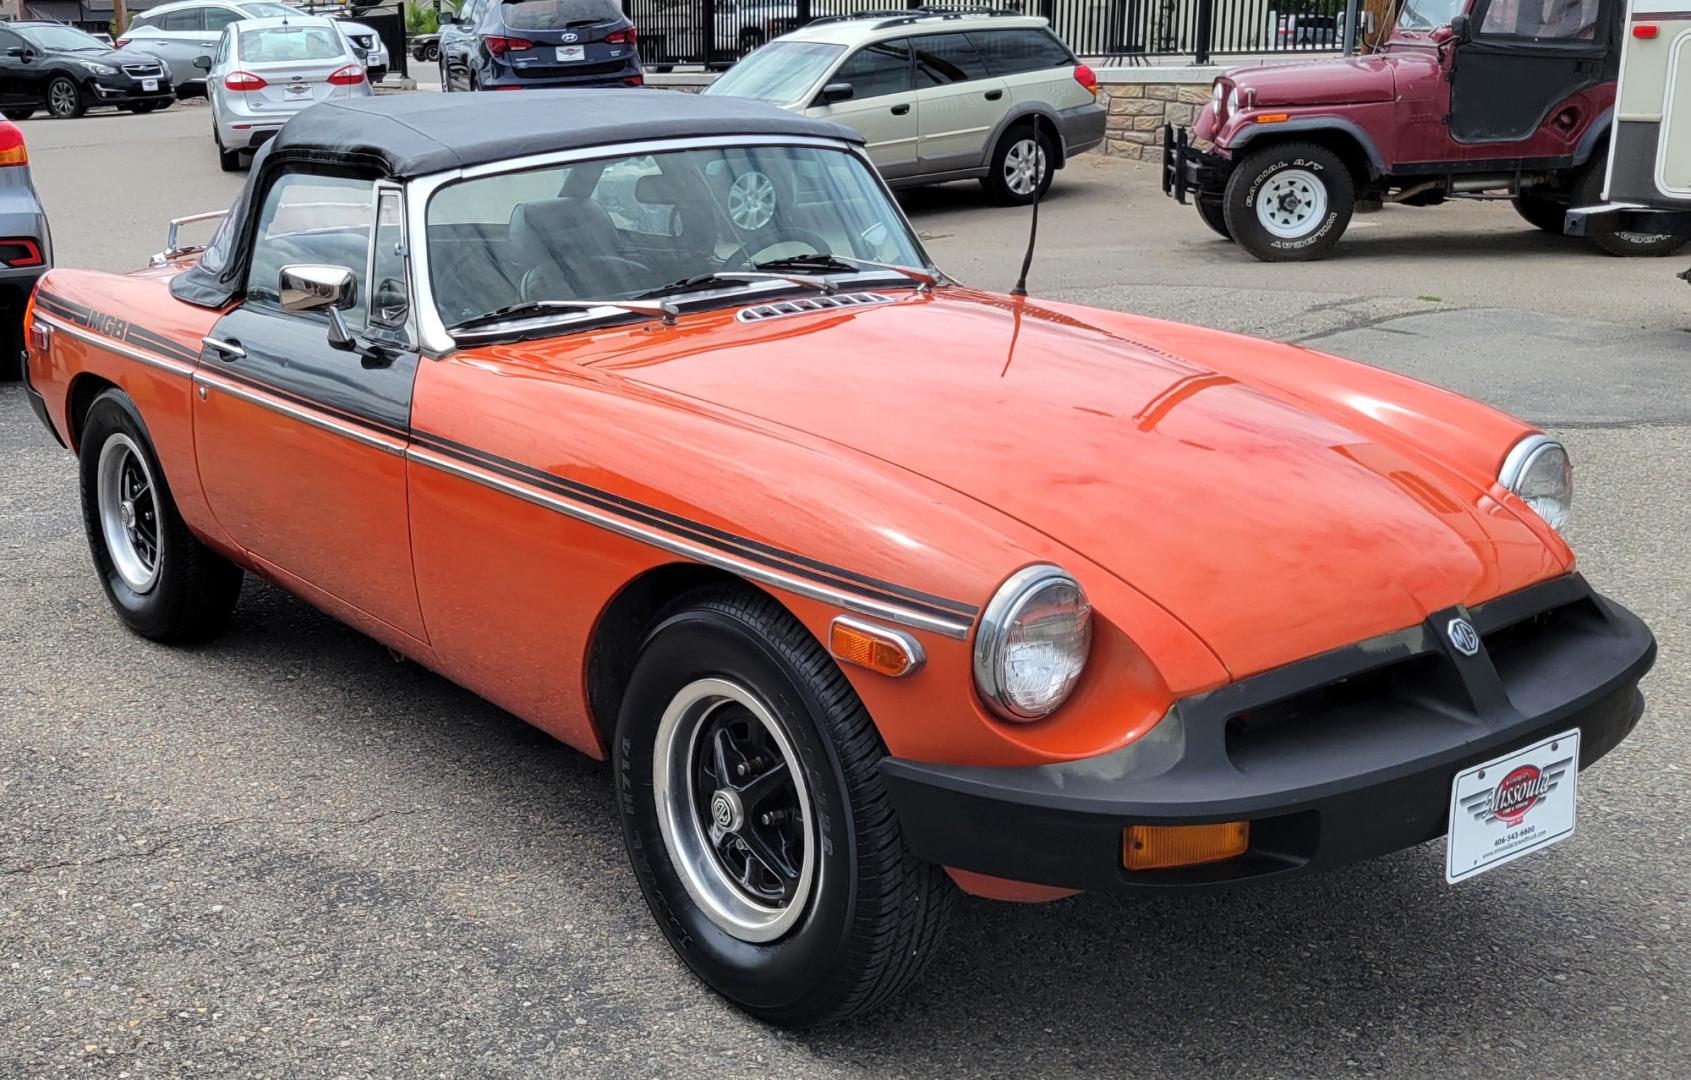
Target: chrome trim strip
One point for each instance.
(175, 367)
(958, 628)
(304, 416)
(912, 649)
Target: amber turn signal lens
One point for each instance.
(877, 648)
(1158, 847)
(1273, 118)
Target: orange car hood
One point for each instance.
(1263, 525)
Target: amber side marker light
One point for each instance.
(878, 648)
(1158, 847)
(1273, 118)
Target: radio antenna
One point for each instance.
(1039, 169)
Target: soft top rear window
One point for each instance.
(558, 14)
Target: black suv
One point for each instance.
(59, 68)
(520, 44)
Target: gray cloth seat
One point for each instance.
(570, 247)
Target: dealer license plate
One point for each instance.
(149, 85)
(1511, 806)
(568, 53)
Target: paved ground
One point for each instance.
(283, 855)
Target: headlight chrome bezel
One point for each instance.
(997, 621)
(98, 68)
(1518, 465)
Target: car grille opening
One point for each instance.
(143, 70)
(803, 305)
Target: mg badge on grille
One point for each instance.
(1463, 635)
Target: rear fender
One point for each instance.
(1022, 112)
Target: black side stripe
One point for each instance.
(695, 530)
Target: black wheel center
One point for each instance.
(749, 808)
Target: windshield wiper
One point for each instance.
(820, 263)
(733, 277)
(529, 308)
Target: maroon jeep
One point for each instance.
(1476, 98)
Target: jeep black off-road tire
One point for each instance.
(1543, 211)
(1214, 214)
(1588, 191)
(756, 821)
(162, 582)
(1289, 202)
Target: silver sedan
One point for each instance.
(266, 70)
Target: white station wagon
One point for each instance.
(937, 95)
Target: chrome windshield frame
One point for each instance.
(434, 339)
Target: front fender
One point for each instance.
(1240, 132)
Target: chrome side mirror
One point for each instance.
(307, 287)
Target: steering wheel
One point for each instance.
(783, 234)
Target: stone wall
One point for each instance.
(1138, 111)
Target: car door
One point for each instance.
(959, 99)
(457, 46)
(882, 106)
(301, 445)
(18, 86)
(1523, 58)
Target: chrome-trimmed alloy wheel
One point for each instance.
(1024, 166)
(129, 515)
(734, 810)
(62, 97)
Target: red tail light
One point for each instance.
(1084, 76)
(12, 149)
(1644, 31)
(243, 80)
(634, 80)
(621, 37)
(499, 46)
(351, 75)
(19, 251)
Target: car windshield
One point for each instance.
(628, 227)
(780, 71)
(1429, 14)
(280, 44)
(270, 11)
(558, 14)
(61, 39)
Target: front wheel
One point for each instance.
(756, 821)
(161, 580)
(1020, 167)
(1290, 202)
(65, 99)
(17, 114)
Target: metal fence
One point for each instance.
(715, 33)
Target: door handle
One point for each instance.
(994, 95)
(230, 350)
(900, 110)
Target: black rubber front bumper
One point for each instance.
(1187, 169)
(1340, 757)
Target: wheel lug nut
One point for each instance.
(740, 769)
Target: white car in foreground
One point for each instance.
(266, 70)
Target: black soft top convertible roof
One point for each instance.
(415, 134)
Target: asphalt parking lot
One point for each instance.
(284, 855)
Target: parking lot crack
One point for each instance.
(162, 842)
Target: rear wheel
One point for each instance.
(1290, 202)
(1020, 168)
(65, 99)
(151, 106)
(162, 582)
(1543, 210)
(760, 833)
(431, 53)
(1588, 191)
(1214, 214)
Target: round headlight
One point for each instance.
(1538, 470)
(1032, 643)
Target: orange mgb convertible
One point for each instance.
(646, 416)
